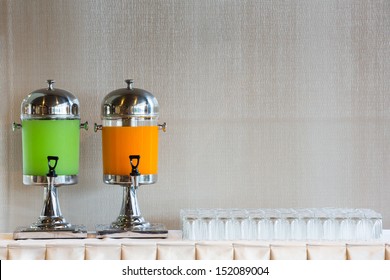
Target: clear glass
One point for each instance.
(222, 217)
(207, 224)
(238, 224)
(282, 224)
(189, 223)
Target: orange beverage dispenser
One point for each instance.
(130, 133)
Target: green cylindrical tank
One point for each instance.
(43, 138)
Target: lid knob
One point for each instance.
(50, 83)
(129, 83)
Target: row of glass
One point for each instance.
(281, 224)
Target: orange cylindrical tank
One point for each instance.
(119, 142)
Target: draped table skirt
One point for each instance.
(174, 248)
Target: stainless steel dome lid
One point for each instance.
(130, 102)
(50, 103)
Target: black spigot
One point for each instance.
(52, 171)
(134, 166)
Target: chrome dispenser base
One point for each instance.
(51, 223)
(130, 223)
(32, 232)
(149, 231)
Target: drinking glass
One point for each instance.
(207, 224)
(222, 224)
(239, 223)
(298, 224)
(189, 218)
(282, 225)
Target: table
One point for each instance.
(174, 248)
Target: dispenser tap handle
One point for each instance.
(97, 127)
(163, 127)
(52, 172)
(16, 126)
(84, 125)
(134, 166)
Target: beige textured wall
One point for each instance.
(268, 103)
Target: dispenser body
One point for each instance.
(129, 127)
(50, 127)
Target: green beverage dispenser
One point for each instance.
(50, 146)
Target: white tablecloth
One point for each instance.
(174, 248)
